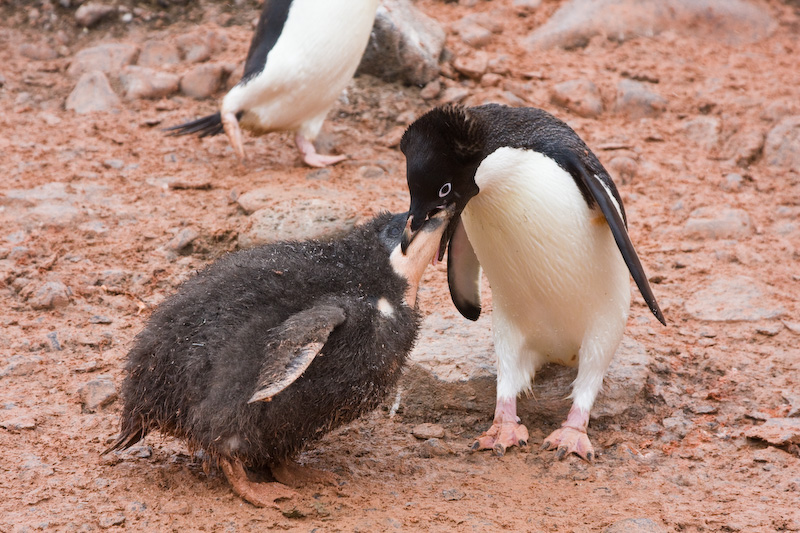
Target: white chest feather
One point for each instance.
(555, 271)
(314, 58)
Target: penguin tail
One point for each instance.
(203, 127)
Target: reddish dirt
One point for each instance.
(709, 479)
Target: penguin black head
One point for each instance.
(443, 149)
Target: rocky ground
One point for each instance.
(693, 106)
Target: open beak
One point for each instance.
(452, 215)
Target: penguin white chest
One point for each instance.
(317, 53)
(552, 263)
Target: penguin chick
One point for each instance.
(536, 210)
(302, 56)
(268, 349)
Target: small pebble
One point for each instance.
(428, 431)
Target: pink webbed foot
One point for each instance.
(567, 440)
(506, 431)
(310, 155)
(571, 437)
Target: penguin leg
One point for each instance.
(292, 474)
(594, 356)
(231, 126)
(515, 368)
(259, 494)
(310, 155)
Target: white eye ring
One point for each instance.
(445, 190)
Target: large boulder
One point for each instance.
(728, 21)
(405, 45)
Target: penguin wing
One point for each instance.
(268, 31)
(295, 344)
(612, 211)
(464, 273)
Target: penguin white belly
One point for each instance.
(314, 58)
(557, 277)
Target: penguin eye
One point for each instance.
(445, 190)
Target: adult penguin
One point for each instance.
(302, 56)
(542, 217)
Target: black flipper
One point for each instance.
(205, 126)
(464, 273)
(603, 196)
(295, 343)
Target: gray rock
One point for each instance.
(476, 29)
(702, 131)
(428, 431)
(732, 183)
(732, 299)
(108, 520)
(718, 223)
(142, 82)
(38, 52)
(580, 96)
(92, 93)
(108, 58)
(442, 375)
(18, 422)
(782, 147)
(454, 95)
(623, 169)
(405, 44)
(452, 495)
(50, 295)
(732, 22)
(156, 54)
(431, 90)
(21, 365)
(297, 219)
(744, 147)
(181, 241)
(636, 100)
(777, 431)
(434, 447)
(97, 393)
(202, 81)
(527, 4)
(91, 13)
(472, 66)
(195, 48)
(635, 525)
(474, 34)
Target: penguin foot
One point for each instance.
(231, 126)
(294, 475)
(567, 440)
(310, 155)
(259, 494)
(501, 436)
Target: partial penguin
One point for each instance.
(536, 210)
(303, 54)
(267, 349)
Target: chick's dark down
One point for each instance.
(197, 362)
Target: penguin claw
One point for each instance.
(501, 436)
(567, 440)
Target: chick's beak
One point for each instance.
(408, 235)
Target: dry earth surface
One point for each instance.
(103, 216)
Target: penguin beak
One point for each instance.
(419, 219)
